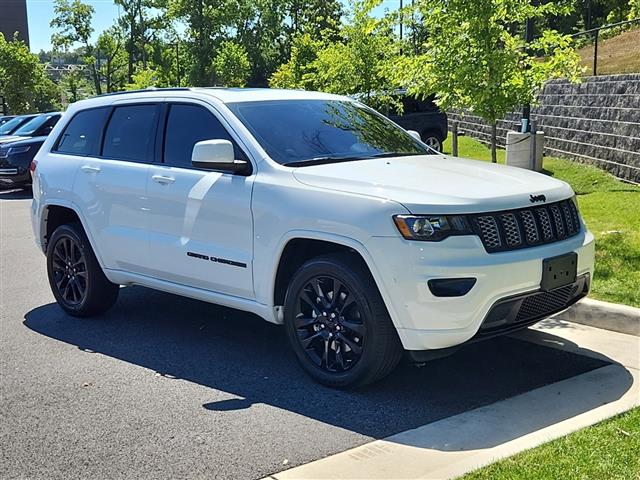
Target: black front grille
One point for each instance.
(539, 304)
(522, 310)
(527, 227)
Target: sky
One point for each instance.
(40, 13)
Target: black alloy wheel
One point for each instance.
(75, 276)
(337, 323)
(69, 270)
(329, 324)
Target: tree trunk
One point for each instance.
(493, 142)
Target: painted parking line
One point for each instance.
(461, 443)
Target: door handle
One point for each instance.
(90, 169)
(163, 180)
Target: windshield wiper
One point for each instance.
(395, 154)
(328, 159)
(324, 160)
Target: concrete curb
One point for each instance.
(609, 316)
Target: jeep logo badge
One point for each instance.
(537, 198)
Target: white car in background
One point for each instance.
(310, 210)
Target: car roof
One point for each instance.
(223, 94)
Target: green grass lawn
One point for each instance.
(609, 450)
(610, 208)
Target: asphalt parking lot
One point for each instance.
(167, 387)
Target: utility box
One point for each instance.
(519, 150)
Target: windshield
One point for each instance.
(32, 125)
(313, 131)
(8, 127)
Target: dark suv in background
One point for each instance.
(424, 117)
(18, 150)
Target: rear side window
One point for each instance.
(82, 135)
(130, 134)
(187, 125)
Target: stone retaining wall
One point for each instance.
(596, 121)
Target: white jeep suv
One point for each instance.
(310, 210)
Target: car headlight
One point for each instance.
(17, 150)
(431, 227)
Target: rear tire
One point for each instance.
(337, 323)
(75, 276)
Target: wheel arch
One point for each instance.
(297, 248)
(54, 214)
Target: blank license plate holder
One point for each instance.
(559, 271)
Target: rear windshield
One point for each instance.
(300, 130)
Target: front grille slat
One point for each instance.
(526, 227)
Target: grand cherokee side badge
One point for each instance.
(537, 198)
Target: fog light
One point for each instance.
(451, 287)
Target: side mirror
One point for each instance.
(216, 155)
(414, 134)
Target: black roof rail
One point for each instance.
(150, 89)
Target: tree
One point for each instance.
(634, 9)
(23, 80)
(474, 58)
(113, 60)
(354, 64)
(74, 86)
(139, 26)
(73, 25)
(299, 71)
(232, 65)
(357, 63)
(206, 21)
(143, 78)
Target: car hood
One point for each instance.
(436, 183)
(11, 138)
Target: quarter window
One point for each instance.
(130, 134)
(188, 125)
(82, 135)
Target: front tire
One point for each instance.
(337, 323)
(433, 140)
(76, 279)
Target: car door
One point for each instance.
(111, 186)
(201, 226)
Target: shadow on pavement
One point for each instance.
(238, 353)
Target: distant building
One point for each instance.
(14, 19)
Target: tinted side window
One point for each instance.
(187, 125)
(130, 134)
(82, 134)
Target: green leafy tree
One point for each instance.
(72, 23)
(357, 63)
(206, 21)
(232, 65)
(354, 64)
(634, 9)
(475, 60)
(299, 71)
(140, 23)
(316, 18)
(143, 78)
(74, 86)
(112, 59)
(23, 80)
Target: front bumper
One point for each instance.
(426, 322)
(12, 176)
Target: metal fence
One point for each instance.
(595, 33)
